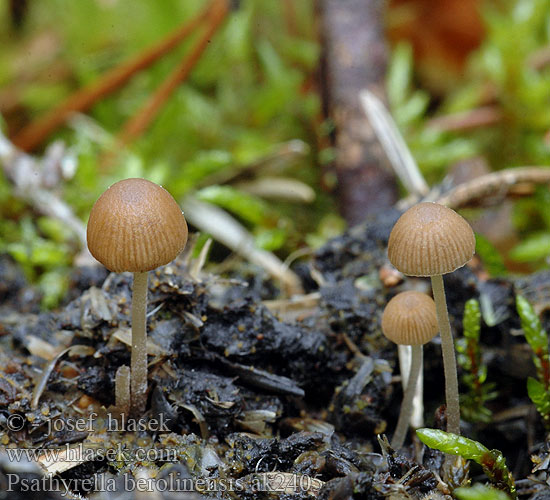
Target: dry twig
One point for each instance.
(355, 49)
(137, 124)
(272, 163)
(485, 116)
(35, 133)
(298, 306)
(492, 188)
(539, 59)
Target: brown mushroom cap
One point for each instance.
(430, 239)
(136, 226)
(410, 319)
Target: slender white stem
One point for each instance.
(449, 359)
(417, 416)
(407, 404)
(138, 379)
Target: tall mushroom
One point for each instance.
(136, 226)
(431, 240)
(409, 319)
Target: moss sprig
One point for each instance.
(537, 338)
(491, 461)
(470, 360)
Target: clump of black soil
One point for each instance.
(247, 402)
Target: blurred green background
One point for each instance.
(253, 104)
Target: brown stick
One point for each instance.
(136, 125)
(36, 132)
(492, 188)
(485, 116)
(467, 120)
(289, 12)
(355, 50)
(540, 58)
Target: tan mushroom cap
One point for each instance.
(410, 319)
(430, 239)
(136, 226)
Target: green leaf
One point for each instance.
(534, 247)
(492, 461)
(530, 323)
(43, 96)
(270, 239)
(272, 64)
(246, 206)
(400, 74)
(19, 252)
(443, 153)
(472, 319)
(480, 492)
(53, 285)
(203, 164)
(491, 258)
(540, 397)
(301, 51)
(475, 372)
(412, 109)
(47, 254)
(53, 229)
(537, 392)
(537, 338)
(542, 197)
(330, 226)
(452, 444)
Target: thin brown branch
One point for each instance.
(271, 164)
(467, 120)
(289, 12)
(355, 58)
(35, 133)
(540, 58)
(492, 188)
(136, 125)
(294, 308)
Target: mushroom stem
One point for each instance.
(407, 404)
(404, 354)
(138, 380)
(449, 359)
(122, 389)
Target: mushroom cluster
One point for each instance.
(409, 319)
(136, 226)
(431, 240)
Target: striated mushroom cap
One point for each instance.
(136, 226)
(410, 319)
(430, 239)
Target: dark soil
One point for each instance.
(244, 395)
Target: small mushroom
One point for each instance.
(431, 240)
(409, 319)
(136, 226)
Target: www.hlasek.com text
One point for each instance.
(84, 453)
